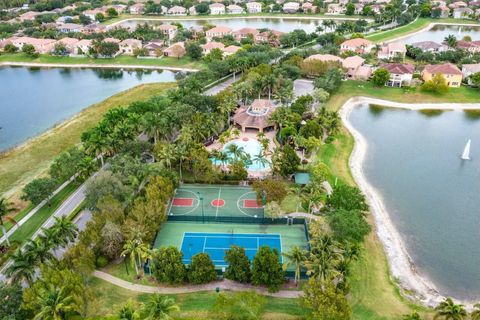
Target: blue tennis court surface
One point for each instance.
(215, 244)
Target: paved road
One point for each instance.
(221, 86)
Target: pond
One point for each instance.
(279, 24)
(34, 100)
(439, 32)
(432, 196)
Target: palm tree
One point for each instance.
(451, 41)
(97, 144)
(236, 151)
(66, 230)
(54, 303)
(223, 158)
(137, 250)
(22, 267)
(6, 208)
(476, 312)
(412, 316)
(39, 249)
(128, 312)
(448, 310)
(324, 258)
(260, 158)
(159, 307)
(86, 167)
(166, 156)
(295, 257)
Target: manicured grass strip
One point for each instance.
(17, 217)
(37, 220)
(21, 165)
(184, 62)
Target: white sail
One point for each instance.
(466, 151)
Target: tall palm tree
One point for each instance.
(476, 312)
(295, 257)
(67, 230)
(39, 249)
(223, 158)
(324, 258)
(166, 156)
(54, 303)
(137, 251)
(22, 267)
(236, 151)
(159, 307)
(86, 167)
(128, 312)
(448, 310)
(451, 41)
(260, 158)
(412, 316)
(6, 208)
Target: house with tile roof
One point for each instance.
(449, 71)
(400, 74)
(358, 45)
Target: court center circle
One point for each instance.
(244, 197)
(217, 203)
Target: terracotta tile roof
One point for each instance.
(232, 49)
(68, 41)
(353, 62)
(324, 58)
(445, 68)
(219, 29)
(399, 68)
(165, 27)
(357, 42)
(213, 45)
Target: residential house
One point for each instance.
(128, 46)
(28, 16)
(69, 27)
(352, 65)
(176, 50)
(254, 7)
(217, 8)
(41, 46)
(358, 45)
(363, 73)
(323, 58)
(154, 48)
(392, 50)
(209, 46)
(234, 9)
(82, 46)
(449, 71)
(429, 46)
(70, 44)
(217, 32)
(170, 31)
(358, 8)
(470, 46)
(177, 11)
(400, 74)
(469, 69)
(192, 11)
(271, 37)
(228, 51)
(377, 8)
(93, 28)
(462, 13)
(244, 33)
(137, 8)
(335, 8)
(457, 4)
(111, 40)
(443, 12)
(291, 7)
(307, 7)
(91, 14)
(120, 8)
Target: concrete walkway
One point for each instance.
(90, 65)
(224, 285)
(303, 215)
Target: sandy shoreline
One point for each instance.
(402, 268)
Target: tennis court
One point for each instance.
(215, 200)
(215, 244)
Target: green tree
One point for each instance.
(112, 13)
(159, 307)
(215, 55)
(350, 9)
(129, 311)
(100, 17)
(270, 190)
(194, 50)
(412, 316)
(273, 210)
(38, 190)
(5, 209)
(201, 269)
(287, 160)
(295, 257)
(168, 265)
(60, 49)
(136, 250)
(239, 306)
(475, 79)
(324, 258)
(451, 41)
(238, 265)
(65, 165)
(475, 313)
(105, 183)
(438, 84)
(325, 301)
(11, 298)
(380, 77)
(348, 198)
(22, 267)
(10, 48)
(238, 170)
(449, 310)
(29, 50)
(348, 226)
(267, 269)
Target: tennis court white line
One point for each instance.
(229, 237)
(218, 206)
(222, 248)
(204, 243)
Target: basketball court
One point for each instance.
(215, 200)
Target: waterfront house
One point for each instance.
(449, 71)
(234, 9)
(400, 74)
(352, 65)
(323, 58)
(192, 11)
(358, 45)
(441, 11)
(91, 14)
(217, 8)
(469, 46)
(392, 50)
(69, 27)
(469, 69)
(291, 7)
(335, 8)
(176, 50)
(154, 48)
(137, 8)
(70, 44)
(429, 46)
(111, 40)
(128, 46)
(217, 32)
(82, 47)
(307, 7)
(245, 33)
(41, 46)
(272, 37)
(93, 28)
(228, 51)
(209, 46)
(170, 31)
(462, 13)
(254, 7)
(457, 4)
(177, 11)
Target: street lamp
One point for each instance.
(201, 203)
(125, 262)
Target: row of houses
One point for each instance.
(456, 9)
(215, 9)
(434, 47)
(387, 51)
(271, 36)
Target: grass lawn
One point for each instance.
(184, 62)
(109, 299)
(19, 166)
(416, 25)
(374, 294)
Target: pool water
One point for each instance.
(252, 148)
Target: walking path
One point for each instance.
(303, 215)
(225, 284)
(91, 65)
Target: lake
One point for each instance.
(439, 32)
(279, 24)
(34, 100)
(432, 196)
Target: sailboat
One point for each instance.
(466, 151)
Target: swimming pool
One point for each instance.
(252, 148)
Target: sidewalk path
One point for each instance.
(224, 285)
(87, 65)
